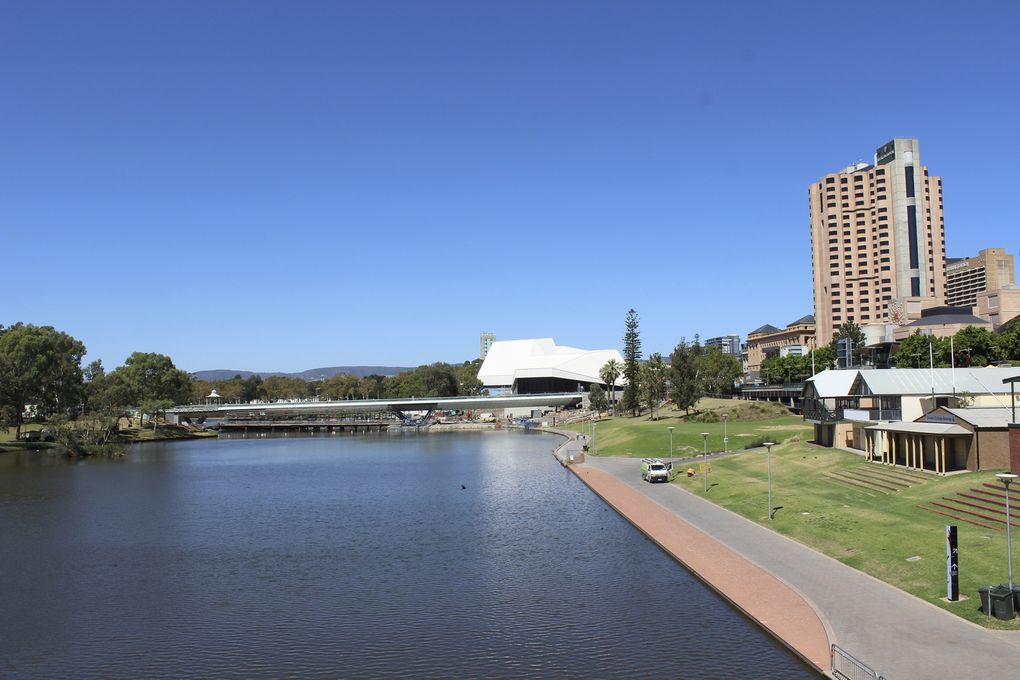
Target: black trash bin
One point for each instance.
(1001, 600)
(1016, 599)
(986, 603)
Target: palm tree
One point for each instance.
(609, 372)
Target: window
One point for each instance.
(909, 176)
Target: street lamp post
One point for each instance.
(670, 448)
(725, 436)
(704, 471)
(1006, 478)
(768, 447)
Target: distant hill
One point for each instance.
(310, 374)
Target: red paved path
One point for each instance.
(759, 594)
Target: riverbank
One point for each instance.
(762, 597)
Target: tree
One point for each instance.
(718, 370)
(610, 373)
(39, 365)
(108, 394)
(975, 346)
(284, 387)
(1008, 340)
(653, 382)
(849, 330)
(597, 399)
(683, 376)
(438, 380)
(152, 382)
(632, 364)
(825, 357)
(251, 389)
(468, 384)
(914, 351)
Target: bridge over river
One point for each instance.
(360, 407)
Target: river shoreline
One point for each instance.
(762, 597)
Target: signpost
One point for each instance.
(952, 565)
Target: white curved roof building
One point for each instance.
(542, 366)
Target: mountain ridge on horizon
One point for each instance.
(311, 374)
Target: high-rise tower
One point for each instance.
(877, 239)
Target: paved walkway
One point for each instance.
(899, 635)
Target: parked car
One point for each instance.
(654, 470)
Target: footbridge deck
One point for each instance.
(282, 409)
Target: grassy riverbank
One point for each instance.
(126, 436)
(887, 528)
(748, 422)
(892, 535)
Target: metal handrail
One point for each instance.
(845, 666)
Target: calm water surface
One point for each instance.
(346, 556)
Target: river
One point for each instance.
(460, 555)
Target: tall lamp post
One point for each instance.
(768, 447)
(670, 448)
(1006, 478)
(725, 436)
(704, 471)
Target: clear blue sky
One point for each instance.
(286, 185)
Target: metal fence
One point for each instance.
(847, 667)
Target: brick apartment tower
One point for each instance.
(877, 238)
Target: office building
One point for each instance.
(729, 344)
(485, 343)
(991, 270)
(877, 239)
(999, 307)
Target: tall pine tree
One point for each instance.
(632, 364)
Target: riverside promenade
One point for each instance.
(806, 599)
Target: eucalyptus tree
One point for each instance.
(684, 386)
(654, 378)
(41, 366)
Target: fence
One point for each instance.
(846, 667)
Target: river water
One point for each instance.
(462, 555)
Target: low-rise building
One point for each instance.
(944, 440)
(941, 322)
(767, 340)
(877, 411)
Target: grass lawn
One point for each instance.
(643, 437)
(878, 533)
